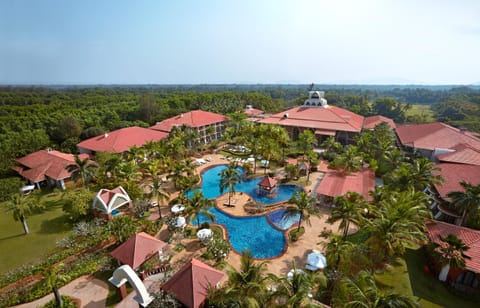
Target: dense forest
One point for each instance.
(32, 118)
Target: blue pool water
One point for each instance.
(115, 212)
(211, 187)
(252, 233)
(283, 222)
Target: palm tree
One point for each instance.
(295, 291)
(349, 161)
(83, 168)
(335, 249)
(230, 177)
(159, 193)
(347, 209)
(306, 141)
(53, 279)
(303, 205)
(417, 175)
(451, 255)
(130, 171)
(467, 201)
(363, 292)
(21, 207)
(197, 206)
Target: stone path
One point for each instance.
(91, 291)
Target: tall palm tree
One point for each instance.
(197, 206)
(335, 249)
(53, 279)
(130, 171)
(347, 209)
(159, 193)
(467, 201)
(83, 168)
(363, 292)
(349, 161)
(21, 207)
(306, 141)
(450, 255)
(230, 177)
(303, 205)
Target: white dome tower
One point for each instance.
(315, 99)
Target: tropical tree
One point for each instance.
(77, 203)
(129, 171)
(467, 200)
(21, 207)
(349, 161)
(82, 168)
(306, 141)
(332, 148)
(159, 194)
(53, 279)
(197, 206)
(304, 205)
(230, 177)
(347, 209)
(451, 254)
(362, 291)
(417, 175)
(335, 249)
(122, 228)
(296, 290)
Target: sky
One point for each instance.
(247, 41)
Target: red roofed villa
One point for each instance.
(373, 121)
(433, 139)
(190, 284)
(468, 278)
(336, 183)
(120, 140)
(210, 126)
(46, 167)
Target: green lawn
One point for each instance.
(45, 228)
(422, 112)
(407, 277)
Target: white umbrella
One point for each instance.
(204, 235)
(177, 208)
(315, 261)
(180, 222)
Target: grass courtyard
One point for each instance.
(407, 277)
(45, 229)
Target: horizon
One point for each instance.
(347, 42)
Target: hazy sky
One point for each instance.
(244, 41)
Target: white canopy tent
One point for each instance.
(108, 200)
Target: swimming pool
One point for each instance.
(253, 233)
(211, 187)
(283, 222)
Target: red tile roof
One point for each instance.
(137, 249)
(267, 182)
(433, 136)
(329, 118)
(463, 154)
(46, 163)
(121, 140)
(469, 236)
(453, 174)
(371, 122)
(190, 284)
(195, 118)
(335, 183)
(252, 111)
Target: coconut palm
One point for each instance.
(417, 175)
(82, 168)
(53, 280)
(129, 171)
(451, 254)
(362, 291)
(21, 207)
(159, 194)
(335, 249)
(197, 206)
(349, 161)
(230, 177)
(306, 141)
(347, 209)
(304, 205)
(467, 200)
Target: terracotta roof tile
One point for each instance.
(331, 118)
(433, 136)
(462, 154)
(267, 182)
(121, 140)
(195, 118)
(335, 183)
(371, 122)
(252, 112)
(190, 284)
(453, 174)
(469, 236)
(137, 249)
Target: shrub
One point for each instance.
(77, 204)
(121, 227)
(204, 225)
(67, 303)
(164, 299)
(217, 249)
(8, 187)
(295, 234)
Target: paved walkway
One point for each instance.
(91, 291)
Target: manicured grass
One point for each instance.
(407, 277)
(422, 111)
(45, 228)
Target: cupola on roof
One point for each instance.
(315, 99)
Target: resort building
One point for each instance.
(209, 126)
(323, 120)
(373, 121)
(467, 279)
(434, 139)
(120, 140)
(46, 167)
(452, 175)
(253, 114)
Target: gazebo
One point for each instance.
(138, 249)
(108, 200)
(190, 284)
(267, 186)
